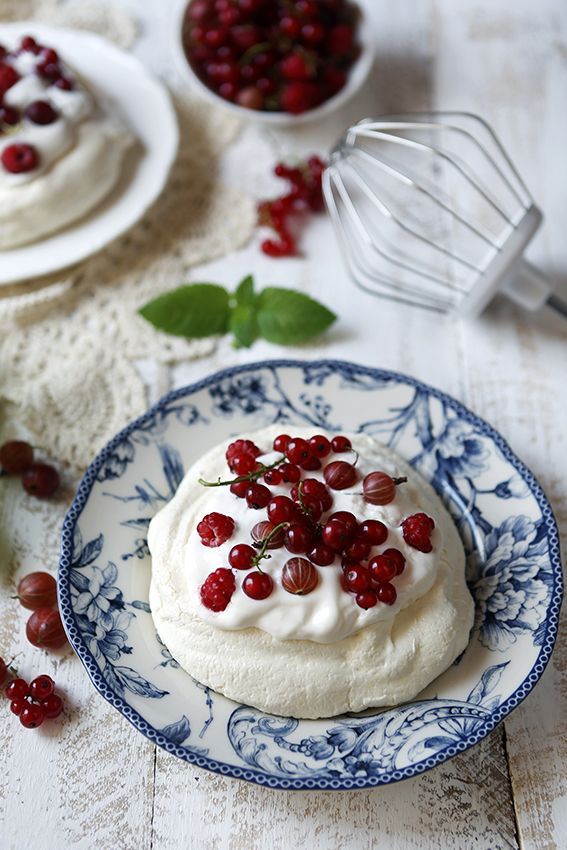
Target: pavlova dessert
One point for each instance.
(309, 575)
(61, 153)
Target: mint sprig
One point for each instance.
(278, 315)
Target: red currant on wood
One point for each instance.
(52, 705)
(17, 689)
(15, 457)
(32, 715)
(41, 480)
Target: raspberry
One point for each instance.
(215, 529)
(217, 589)
(417, 530)
(240, 447)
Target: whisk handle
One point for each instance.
(527, 286)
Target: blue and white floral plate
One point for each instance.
(505, 521)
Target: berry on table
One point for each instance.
(258, 585)
(45, 629)
(37, 590)
(215, 529)
(16, 455)
(17, 705)
(52, 705)
(32, 715)
(41, 687)
(41, 480)
(17, 689)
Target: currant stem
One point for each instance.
(251, 476)
(265, 544)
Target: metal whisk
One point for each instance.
(430, 211)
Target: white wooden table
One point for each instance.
(92, 781)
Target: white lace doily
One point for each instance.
(68, 342)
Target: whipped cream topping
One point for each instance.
(327, 614)
(53, 140)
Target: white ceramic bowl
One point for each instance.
(356, 76)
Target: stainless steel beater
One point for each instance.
(430, 211)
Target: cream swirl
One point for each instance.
(327, 614)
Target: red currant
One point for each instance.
(280, 443)
(273, 477)
(366, 599)
(294, 66)
(373, 531)
(321, 555)
(32, 715)
(257, 496)
(297, 450)
(45, 629)
(239, 447)
(281, 509)
(382, 568)
(258, 585)
(298, 538)
(37, 590)
(291, 473)
(397, 558)
(358, 550)
(9, 115)
(15, 457)
(41, 112)
(347, 519)
(339, 475)
(336, 535)
(341, 444)
(239, 488)
(243, 464)
(52, 705)
(17, 689)
(241, 556)
(41, 480)
(19, 158)
(17, 706)
(357, 579)
(387, 593)
(320, 446)
(339, 40)
(41, 687)
(29, 44)
(215, 529)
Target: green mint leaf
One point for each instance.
(287, 317)
(244, 326)
(193, 311)
(245, 292)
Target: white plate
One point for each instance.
(356, 76)
(506, 524)
(144, 105)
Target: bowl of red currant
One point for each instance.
(281, 62)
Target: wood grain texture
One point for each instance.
(90, 780)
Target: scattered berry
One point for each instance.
(17, 689)
(41, 480)
(15, 457)
(52, 705)
(32, 715)
(41, 687)
(37, 590)
(258, 585)
(417, 530)
(215, 529)
(45, 629)
(299, 576)
(17, 705)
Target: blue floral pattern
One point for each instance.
(513, 571)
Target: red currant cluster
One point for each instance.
(305, 193)
(272, 55)
(294, 521)
(19, 158)
(38, 593)
(38, 479)
(34, 702)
